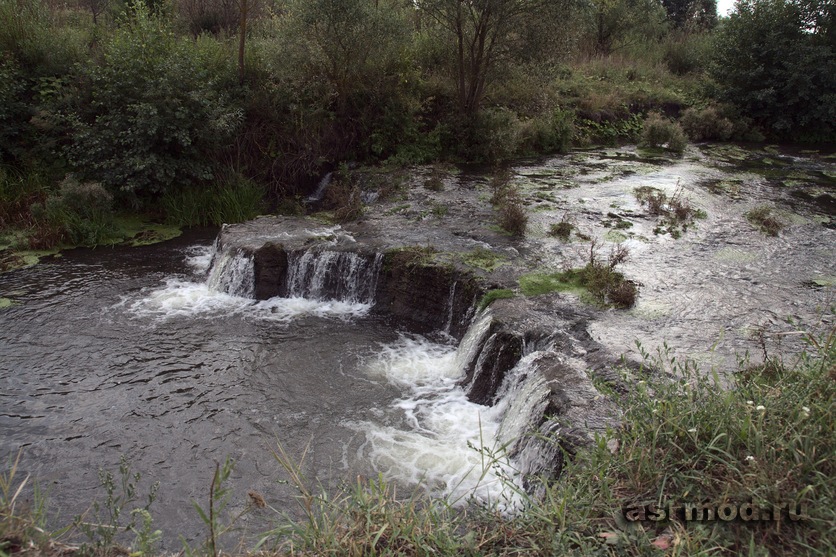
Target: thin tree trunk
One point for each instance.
(242, 40)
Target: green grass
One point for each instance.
(483, 259)
(497, 294)
(537, 284)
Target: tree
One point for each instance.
(615, 21)
(691, 14)
(481, 30)
(775, 60)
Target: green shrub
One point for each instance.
(687, 52)
(706, 124)
(548, 133)
(774, 60)
(160, 110)
(80, 214)
(234, 199)
(493, 136)
(562, 230)
(658, 131)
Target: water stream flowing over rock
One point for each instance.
(364, 347)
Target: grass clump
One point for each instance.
(658, 131)
(598, 281)
(496, 294)
(676, 211)
(562, 230)
(234, 199)
(506, 198)
(764, 219)
(484, 259)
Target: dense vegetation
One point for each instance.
(195, 112)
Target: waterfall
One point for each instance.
(321, 188)
(473, 341)
(233, 273)
(333, 275)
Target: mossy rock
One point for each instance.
(483, 259)
(6, 303)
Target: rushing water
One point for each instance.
(160, 353)
(148, 353)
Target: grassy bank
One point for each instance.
(693, 451)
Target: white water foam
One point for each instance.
(448, 443)
(228, 290)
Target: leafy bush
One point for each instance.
(160, 109)
(658, 131)
(81, 213)
(775, 60)
(562, 230)
(706, 124)
(548, 133)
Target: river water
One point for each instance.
(144, 353)
(129, 351)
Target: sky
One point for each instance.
(724, 7)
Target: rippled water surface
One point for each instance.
(131, 351)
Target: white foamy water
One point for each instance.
(227, 290)
(448, 445)
(199, 258)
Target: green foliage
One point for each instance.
(107, 520)
(686, 53)
(160, 110)
(232, 200)
(213, 515)
(706, 124)
(775, 60)
(562, 230)
(597, 281)
(658, 131)
(81, 213)
(548, 133)
(691, 14)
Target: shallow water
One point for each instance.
(723, 288)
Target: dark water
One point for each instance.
(86, 378)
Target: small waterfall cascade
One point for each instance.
(232, 272)
(321, 188)
(333, 275)
(473, 342)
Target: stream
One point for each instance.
(160, 355)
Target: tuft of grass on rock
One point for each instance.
(766, 220)
(496, 294)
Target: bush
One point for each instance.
(775, 61)
(512, 216)
(548, 133)
(234, 199)
(658, 131)
(706, 124)
(160, 110)
(493, 137)
(562, 230)
(80, 214)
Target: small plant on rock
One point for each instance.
(764, 219)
